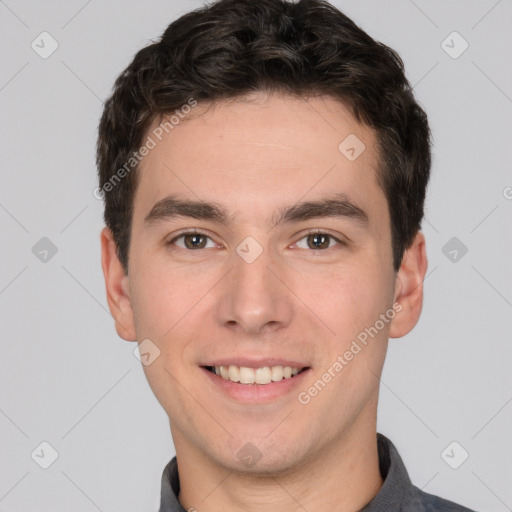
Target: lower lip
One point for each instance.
(256, 393)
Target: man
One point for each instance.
(264, 169)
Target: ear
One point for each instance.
(409, 287)
(118, 288)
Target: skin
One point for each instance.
(294, 301)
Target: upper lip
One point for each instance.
(255, 363)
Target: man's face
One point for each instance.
(253, 293)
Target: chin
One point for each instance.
(260, 457)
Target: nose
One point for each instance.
(253, 298)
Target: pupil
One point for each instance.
(318, 237)
(195, 241)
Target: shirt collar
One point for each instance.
(396, 489)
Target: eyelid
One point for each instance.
(338, 236)
(318, 231)
(189, 231)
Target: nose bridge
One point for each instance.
(251, 296)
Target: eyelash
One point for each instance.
(308, 233)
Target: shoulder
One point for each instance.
(423, 502)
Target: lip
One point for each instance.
(255, 363)
(256, 393)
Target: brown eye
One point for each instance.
(318, 241)
(195, 241)
(191, 241)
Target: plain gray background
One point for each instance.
(67, 379)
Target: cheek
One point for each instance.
(160, 295)
(347, 298)
(169, 309)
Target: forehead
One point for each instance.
(254, 155)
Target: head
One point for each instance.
(253, 125)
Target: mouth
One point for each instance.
(260, 376)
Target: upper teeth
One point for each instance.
(263, 375)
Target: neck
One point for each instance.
(343, 476)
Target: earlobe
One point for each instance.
(409, 287)
(117, 288)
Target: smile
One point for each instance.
(263, 375)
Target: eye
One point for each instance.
(318, 240)
(192, 240)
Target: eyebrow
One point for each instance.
(337, 205)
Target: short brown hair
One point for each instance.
(234, 47)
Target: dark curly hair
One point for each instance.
(231, 48)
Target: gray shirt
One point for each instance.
(397, 494)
